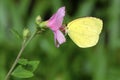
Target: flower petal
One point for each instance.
(59, 38)
(55, 22)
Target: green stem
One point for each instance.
(24, 44)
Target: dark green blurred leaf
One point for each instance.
(16, 34)
(20, 72)
(34, 65)
(23, 61)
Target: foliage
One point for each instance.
(69, 62)
(25, 69)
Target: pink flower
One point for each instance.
(55, 23)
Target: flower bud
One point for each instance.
(38, 20)
(26, 33)
(43, 24)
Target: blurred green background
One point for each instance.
(69, 62)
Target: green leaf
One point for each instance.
(16, 33)
(23, 61)
(34, 65)
(20, 72)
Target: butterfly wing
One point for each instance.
(85, 31)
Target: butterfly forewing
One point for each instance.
(85, 31)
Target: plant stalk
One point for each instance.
(24, 44)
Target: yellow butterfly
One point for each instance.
(85, 31)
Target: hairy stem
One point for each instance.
(24, 44)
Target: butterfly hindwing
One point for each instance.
(85, 31)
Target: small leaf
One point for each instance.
(33, 64)
(23, 61)
(16, 33)
(20, 72)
